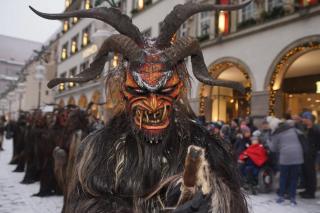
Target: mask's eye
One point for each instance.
(168, 90)
(133, 90)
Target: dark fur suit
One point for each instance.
(115, 168)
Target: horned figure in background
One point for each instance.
(76, 127)
(146, 143)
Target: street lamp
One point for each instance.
(40, 74)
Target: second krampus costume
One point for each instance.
(135, 163)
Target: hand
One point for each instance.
(199, 204)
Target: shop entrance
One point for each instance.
(295, 86)
(224, 104)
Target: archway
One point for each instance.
(219, 103)
(96, 96)
(294, 84)
(71, 101)
(61, 103)
(83, 102)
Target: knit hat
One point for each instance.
(307, 115)
(245, 129)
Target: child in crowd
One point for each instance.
(251, 160)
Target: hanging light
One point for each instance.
(318, 86)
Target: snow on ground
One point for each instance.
(16, 197)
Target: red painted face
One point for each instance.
(150, 91)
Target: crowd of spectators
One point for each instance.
(289, 146)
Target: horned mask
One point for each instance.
(155, 65)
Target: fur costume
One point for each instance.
(135, 163)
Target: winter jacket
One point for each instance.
(257, 153)
(285, 141)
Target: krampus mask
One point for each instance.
(148, 141)
(155, 69)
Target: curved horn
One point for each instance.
(113, 16)
(185, 47)
(115, 43)
(181, 13)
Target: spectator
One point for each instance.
(265, 130)
(251, 160)
(234, 130)
(309, 166)
(285, 141)
(249, 123)
(2, 129)
(225, 133)
(242, 142)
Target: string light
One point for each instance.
(281, 65)
(214, 71)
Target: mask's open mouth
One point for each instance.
(147, 120)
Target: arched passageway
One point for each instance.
(224, 104)
(295, 81)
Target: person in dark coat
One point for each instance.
(243, 142)
(285, 141)
(309, 166)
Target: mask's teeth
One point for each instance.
(140, 124)
(164, 112)
(147, 117)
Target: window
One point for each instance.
(204, 23)
(86, 36)
(223, 22)
(68, 3)
(74, 44)
(274, 3)
(62, 85)
(183, 30)
(65, 26)
(72, 73)
(75, 20)
(140, 4)
(147, 32)
(87, 4)
(64, 52)
(84, 66)
(248, 12)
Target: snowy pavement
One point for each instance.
(16, 197)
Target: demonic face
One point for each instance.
(150, 90)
